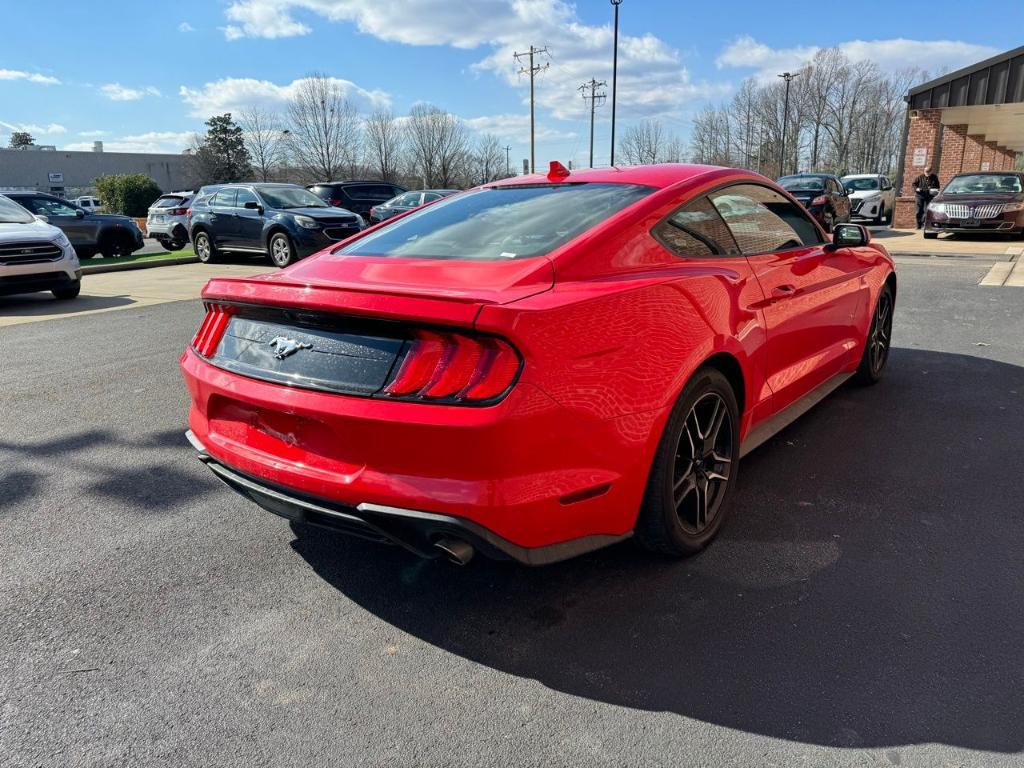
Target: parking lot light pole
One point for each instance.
(615, 71)
(788, 77)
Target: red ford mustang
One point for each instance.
(540, 366)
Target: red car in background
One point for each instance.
(538, 367)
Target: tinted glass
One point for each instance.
(168, 201)
(805, 183)
(856, 185)
(429, 197)
(984, 184)
(290, 197)
(245, 196)
(224, 199)
(47, 207)
(696, 230)
(12, 213)
(409, 198)
(371, 191)
(761, 220)
(500, 223)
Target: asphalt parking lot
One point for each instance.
(862, 607)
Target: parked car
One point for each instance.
(872, 197)
(989, 201)
(356, 196)
(90, 233)
(539, 367)
(407, 201)
(822, 194)
(90, 204)
(281, 221)
(167, 220)
(34, 255)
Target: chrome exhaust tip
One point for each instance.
(456, 550)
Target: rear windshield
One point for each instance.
(12, 213)
(806, 183)
(983, 184)
(857, 185)
(500, 223)
(290, 197)
(171, 201)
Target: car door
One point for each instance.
(248, 221)
(79, 227)
(223, 227)
(812, 291)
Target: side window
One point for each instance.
(695, 230)
(224, 199)
(48, 207)
(409, 198)
(430, 197)
(762, 220)
(244, 196)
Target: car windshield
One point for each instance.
(291, 197)
(514, 222)
(855, 184)
(12, 213)
(984, 184)
(802, 183)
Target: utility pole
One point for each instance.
(788, 77)
(532, 71)
(615, 72)
(508, 148)
(595, 99)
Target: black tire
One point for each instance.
(280, 250)
(206, 251)
(879, 339)
(114, 245)
(692, 476)
(930, 235)
(173, 245)
(67, 292)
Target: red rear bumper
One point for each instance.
(528, 470)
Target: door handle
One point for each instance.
(782, 291)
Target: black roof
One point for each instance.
(352, 181)
(998, 80)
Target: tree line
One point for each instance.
(321, 136)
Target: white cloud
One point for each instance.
(118, 92)
(153, 141)
(233, 94)
(32, 77)
(51, 129)
(652, 79)
(889, 55)
(186, 27)
(93, 134)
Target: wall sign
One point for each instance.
(920, 156)
(56, 178)
(986, 166)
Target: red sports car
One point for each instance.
(540, 366)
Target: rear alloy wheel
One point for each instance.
(205, 249)
(282, 253)
(694, 469)
(876, 348)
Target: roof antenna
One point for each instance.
(557, 171)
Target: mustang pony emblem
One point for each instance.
(283, 346)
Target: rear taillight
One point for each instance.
(820, 200)
(456, 368)
(212, 329)
(179, 211)
(188, 214)
(335, 201)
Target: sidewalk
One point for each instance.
(903, 242)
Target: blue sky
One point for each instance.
(143, 76)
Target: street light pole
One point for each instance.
(615, 72)
(788, 77)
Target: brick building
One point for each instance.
(968, 120)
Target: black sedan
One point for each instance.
(406, 202)
(822, 194)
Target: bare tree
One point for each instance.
(643, 143)
(438, 143)
(487, 162)
(384, 144)
(324, 129)
(263, 134)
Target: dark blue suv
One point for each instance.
(281, 221)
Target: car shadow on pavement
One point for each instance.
(43, 304)
(866, 592)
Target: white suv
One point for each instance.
(89, 204)
(35, 256)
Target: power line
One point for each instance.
(595, 99)
(788, 77)
(532, 71)
(508, 149)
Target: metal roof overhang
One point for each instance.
(987, 97)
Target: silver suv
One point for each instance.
(34, 255)
(168, 219)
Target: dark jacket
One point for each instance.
(925, 182)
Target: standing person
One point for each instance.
(923, 186)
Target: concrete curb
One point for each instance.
(151, 264)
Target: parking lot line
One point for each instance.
(998, 274)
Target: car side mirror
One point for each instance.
(850, 235)
(252, 205)
(79, 213)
